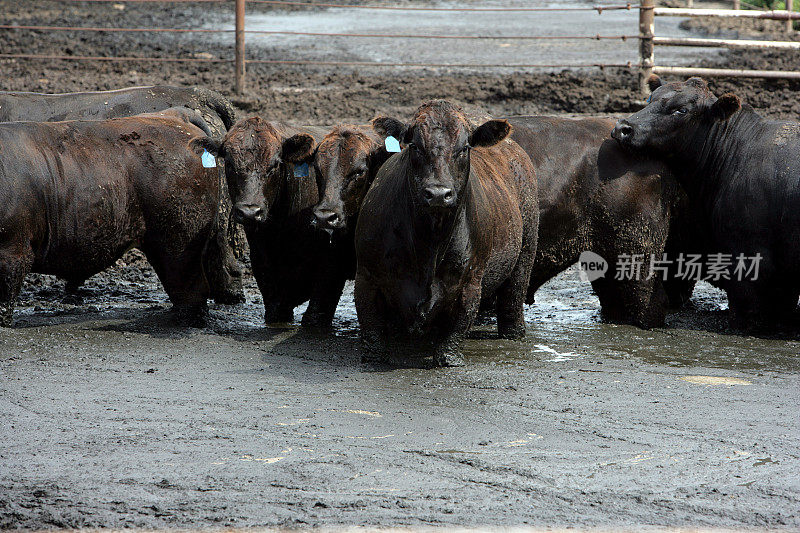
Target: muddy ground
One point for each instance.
(110, 417)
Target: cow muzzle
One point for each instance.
(623, 132)
(327, 219)
(439, 196)
(248, 213)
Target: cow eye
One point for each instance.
(357, 173)
(680, 111)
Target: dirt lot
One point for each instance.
(109, 417)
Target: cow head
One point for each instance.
(345, 164)
(439, 140)
(674, 114)
(259, 158)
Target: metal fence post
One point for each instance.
(239, 75)
(646, 53)
(790, 22)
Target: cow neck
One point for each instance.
(436, 253)
(722, 146)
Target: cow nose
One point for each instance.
(439, 196)
(622, 131)
(248, 212)
(326, 218)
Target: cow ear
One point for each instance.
(388, 126)
(490, 133)
(198, 144)
(297, 148)
(725, 106)
(654, 82)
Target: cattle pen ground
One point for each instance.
(110, 418)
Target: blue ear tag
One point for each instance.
(208, 159)
(301, 171)
(649, 98)
(392, 145)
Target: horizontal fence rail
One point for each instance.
(725, 43)
(314, 62)
(731, 73)
(323, 34)
(725, 13)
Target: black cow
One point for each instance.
(742, 175)
(78, 194)
(214, 109)
(274, 201)
(450, 221)
(596, 196)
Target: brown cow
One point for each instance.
(449, 222)
(78, 194)
(274, 202)
(596, 196)
(225, 274)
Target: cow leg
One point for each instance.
(371, 320)
(15, 263)
(222, 269)
(510, 299)
(277, 308)
(324, 299)
(639, 302)
(678, 291)
(448, 350)
(181, 273)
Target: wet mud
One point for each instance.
(114, 418)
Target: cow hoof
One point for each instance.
(512, 332)
(190, 317)
(229, 298)
(449, 359)
(278, 317)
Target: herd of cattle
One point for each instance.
(435, 218)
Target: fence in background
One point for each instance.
(646, 36)
(648, 41)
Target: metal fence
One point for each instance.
(646, 36)
(648, 41)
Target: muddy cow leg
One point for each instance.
(181, 273)
(679, 291)
(15, 263)
(639, 302)
(324, 299)
(223, 270)
(448, 351)
(756, 304)
(371, 319)
(511, 296)
(277, 308)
